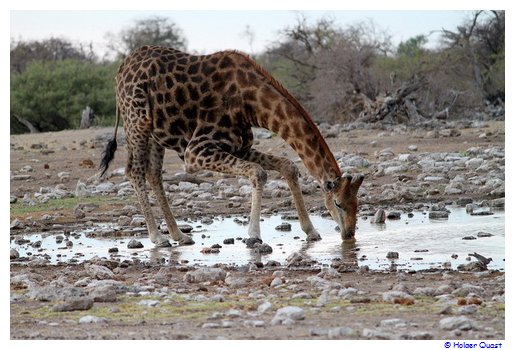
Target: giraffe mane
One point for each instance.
(285, 93)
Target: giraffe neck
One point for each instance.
(294, 125)
(278, 111)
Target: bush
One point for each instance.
(52, 95)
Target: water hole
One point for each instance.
(420, 242)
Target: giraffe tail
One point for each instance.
(108, 154)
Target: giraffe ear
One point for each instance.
(330, 186)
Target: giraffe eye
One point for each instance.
(338, 205)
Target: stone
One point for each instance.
(254, 323)
(134, 244)
(287, 314)
(393, 322)
(393, 215)
(379, 217)
(251, 242)
(92, 319)
(462, 323)
(497, 203)
(74, 304)
(14, 254)
(16, 224)
(236, 282)
(103, 294)
(398, 297)
(482, 234)
(229, 241)
(302, 295)
(149, 303)
(138, 221)
(285, 226)
(264, 307)
(418, 335)
(438, 214)
(375, 334)
(276, 282)
(392, 255)
(105, 187)
(98, 272)
(205, 274)
(335, 333)
(263, 249)
(413, 148)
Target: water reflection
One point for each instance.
(420, 243)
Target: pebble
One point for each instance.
(204, 274)
(393, 215)
(276, 282)
(379, 217)
(74, 304)
(288, 315)
(263, 249)
(14, 254)
(484, 234)
(254, 323)
(251, 242)
(103, 294)
(149, 303)
(438, 215)
(392, 255)
(398, 297)
(229, 241)
(335, 333)
(462, 323)
(92, 319)
(98, 272)
(211, 325)
(264, 307)
(134, 244)
(285, 226)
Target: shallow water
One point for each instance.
(436, 241)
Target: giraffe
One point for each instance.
(203, 107)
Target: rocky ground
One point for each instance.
(53, 185)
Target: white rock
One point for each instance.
(204, 274)
(264, 307)
(149, 303)
(287, 314)
(99, 272)
(395, 295)
(92, 319)
(105, 187)
(462, 323)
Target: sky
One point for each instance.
(209, 31)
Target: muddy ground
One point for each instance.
(361, 304)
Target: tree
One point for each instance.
(51, 95)
(481, 40)
(49, 50)
(150, 31)
(412, 47)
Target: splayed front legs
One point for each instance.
(291, 173)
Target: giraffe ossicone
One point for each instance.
(204, 107)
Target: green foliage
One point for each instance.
(149, 31)
(52, 95)
(412, 47)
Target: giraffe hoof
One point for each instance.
(312, 237)
(186, 240)
(163, 244)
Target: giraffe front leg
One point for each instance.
(290, 172)
(207, 155)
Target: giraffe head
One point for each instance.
(341, 199)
